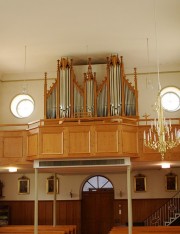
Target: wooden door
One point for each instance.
(97, 211)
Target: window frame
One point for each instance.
(18, 100)
(170, 90)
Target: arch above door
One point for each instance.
(97, 182)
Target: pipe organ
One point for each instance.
(50, 100)
(114, 96)
(115, 86)
(64, 88)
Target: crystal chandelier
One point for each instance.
(161, 136)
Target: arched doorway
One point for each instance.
(97, 206)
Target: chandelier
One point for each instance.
(161, 136)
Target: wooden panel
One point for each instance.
(52, 143)
(13, 147)
(32, 145)
(129, 140)
(21, 212)
(147, 150)
(120, 219)
(46, 212)
(145, 208)
(69, 212)
(106, 139)
(147, 154)
(28, 212)
(79, 140)
(1, 147)
(83, 139)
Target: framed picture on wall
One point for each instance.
(140, 183)
(50, 185)
(171, 182)
(23, 185)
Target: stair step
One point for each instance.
(177, 215)
(172, 219)
(171, 208)
(166, 223)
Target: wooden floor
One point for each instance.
(147, 230)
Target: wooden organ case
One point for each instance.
(91, 119)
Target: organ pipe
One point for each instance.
(64, 86)
(45, 94)
(115, 96)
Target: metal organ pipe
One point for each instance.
(89, 79)
(78, 101)
(102, 100)
(114, 97)
(115, 86)
(65, 91)
(51, 103)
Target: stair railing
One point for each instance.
(166, 213)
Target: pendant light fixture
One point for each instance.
(22, 105)
(161, 136)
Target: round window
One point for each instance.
(170, 97)
(22, 106)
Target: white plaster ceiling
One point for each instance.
(139, 30)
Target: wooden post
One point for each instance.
(54, 201)
(129, 200)
(36, 203)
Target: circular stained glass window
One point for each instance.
(22, 106)
(170, 97)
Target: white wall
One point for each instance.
(147, 89)
(74, 183)
(10, 90)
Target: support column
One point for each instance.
(36, 203)
(54, 201)
(129, 199)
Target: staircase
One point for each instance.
(166, 215)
